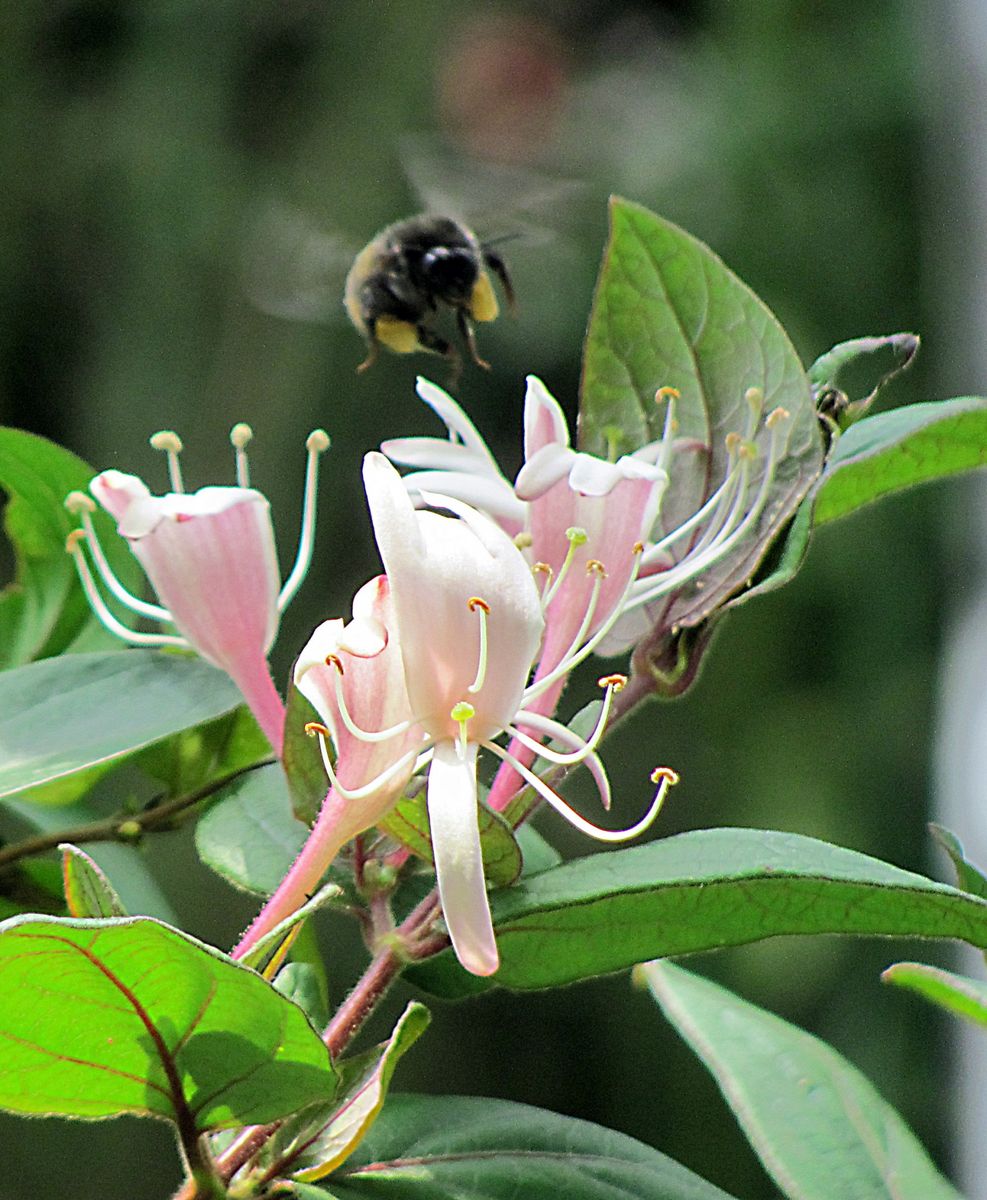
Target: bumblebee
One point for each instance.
(402, 279)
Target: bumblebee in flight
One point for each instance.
(402, 279)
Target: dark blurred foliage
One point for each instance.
(140, 145)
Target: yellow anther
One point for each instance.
(637, 548)
(616, 681)
(333, 660)
(748, 450)
(776, 417)
(595, 567)
(475, 602)
(317, 442)
(240, 435)
(541, 568)
(523, 539)
(77, 502)
(665, 393)
(577, 536)
(73, 540)
(733, 441)
(666, 775)
(166, 440)
(316, 729)
(755, 399)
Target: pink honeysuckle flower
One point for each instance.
(210, 557)
(353, 675)
(469, 623)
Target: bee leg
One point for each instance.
(373, 349)
(429, 340)
(499, 268)
(466, 329)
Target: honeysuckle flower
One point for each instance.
(353, 676)
(468, 620)
(210, 557)
(351, 673)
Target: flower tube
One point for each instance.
(211, 559)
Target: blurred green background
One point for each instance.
(143, 145)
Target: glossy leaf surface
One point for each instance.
(160, 1025)
(956, 993)
(461, 1147)
(83, 712)
(700, 891)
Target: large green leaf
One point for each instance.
(130, 1015)
(957, 994)
(819, 1126)
(876, 457)
(700, 891)
(461, 1147)
(669, 313)
(83, 712)
(250, 835)
(43, 610)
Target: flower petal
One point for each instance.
(455, 420)
(544, 420)
(458, 858)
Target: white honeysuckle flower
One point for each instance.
(468, 621)
(210, 557)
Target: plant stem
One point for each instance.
(122, 826)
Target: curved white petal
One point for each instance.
(458, 859)
(116, 491)
(543, 470)
(455, 420)
(437, 454)
(544, 420)
(493, 496)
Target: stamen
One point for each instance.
(576, 537)
(754, 399)
(368, 789)
(612, 683)
(316, 445)
(362, 735)
(575, 654)
(664, 776)
(543, 568)
(561, 733)
(671, 424)
(98, 604)
(240, 436)
(170, 444)
(80, 503)
(478, 605)
(462, 713)
(523, 539)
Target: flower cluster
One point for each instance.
(493, 592)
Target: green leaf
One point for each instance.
(877, 457)
(196, 756)
(898, 449)
(955, 993)
(302, 758)
(700, 891)
(249, 834)
(838, 399)
(266, 946)
(819, 1126)
(300, 982)
(539, 855)
(407, 822)
(130, 1015)
(316, 1142)
(84, 712)
(44, 610)
(467, 1148)
(88, 893)
(668, 312)
(968, 877)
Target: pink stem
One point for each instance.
(329, 834)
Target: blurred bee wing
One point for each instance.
(293, 269)
(498, 200)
